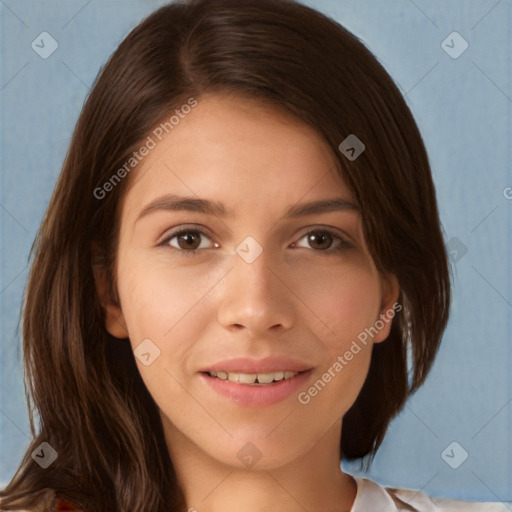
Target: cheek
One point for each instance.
(345, 300)
(142, 299)
(348, 307)
(152, 302)
(159, 310)
(169, 306)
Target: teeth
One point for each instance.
(246, 378)
(233, 377)
(265, 378)
(253, 378)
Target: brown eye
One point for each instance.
(320, 240)
(323, 240)
(188, 240)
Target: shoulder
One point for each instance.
(62, 503)
(50, 501)
(371, 495)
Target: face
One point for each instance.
(245, 285)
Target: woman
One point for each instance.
(242, 247)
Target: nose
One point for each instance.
(255, 297)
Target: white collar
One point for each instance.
(371, 496)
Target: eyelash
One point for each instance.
(342, 245)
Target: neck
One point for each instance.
(313, 481)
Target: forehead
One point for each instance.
(238, 150)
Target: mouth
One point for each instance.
(254, 378)
(249, 382)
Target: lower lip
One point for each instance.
(257, 394)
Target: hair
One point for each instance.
(82, 383)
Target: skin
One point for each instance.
(210, 305)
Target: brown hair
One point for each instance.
(93, 407)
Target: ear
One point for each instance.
(390, 290)
(114, 319)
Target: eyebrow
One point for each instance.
(193, 204)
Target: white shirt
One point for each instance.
(372, 497)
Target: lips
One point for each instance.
(254, 378)
(272, 364)
(256, 382)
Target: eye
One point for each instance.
(323, 240)
(188, 240)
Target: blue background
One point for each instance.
(463, 108)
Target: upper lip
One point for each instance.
(265, 365)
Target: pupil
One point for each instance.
(320, 240)
(188, 241)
